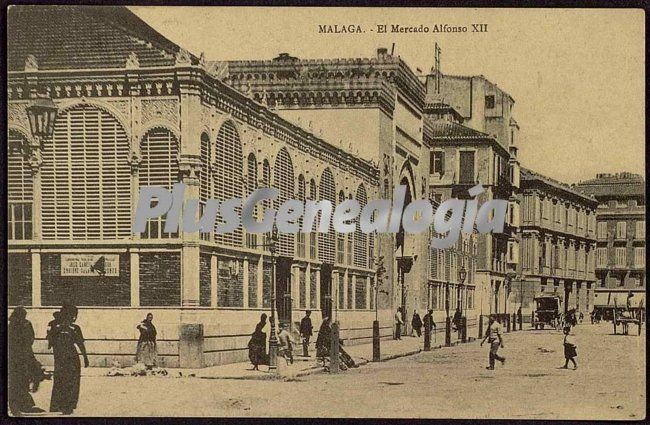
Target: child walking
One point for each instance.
(569, 348)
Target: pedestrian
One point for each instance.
(67, 369)
(493, 335)
(323, 341)
(21, 363)
(286, 348)
(456, 320)
(146, 351)
(398, 323)
(570, 352)
(257, 344)
(416, 324)
(50, 326)
(428, 321)
(306, 331)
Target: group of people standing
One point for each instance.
(63, 337)
(257, 345)
(417, 323)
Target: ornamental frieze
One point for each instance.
(165, 110)
(18, 116)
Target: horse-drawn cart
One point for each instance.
(547, 312)
(630, 315)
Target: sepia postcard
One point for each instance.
(325, 212)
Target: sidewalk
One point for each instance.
(302, 366)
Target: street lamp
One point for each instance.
(462, 275)
(42, 114)
(447, 319)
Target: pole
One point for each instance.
(447, 319)
(273, 340)
(334, 342)
(334, 349)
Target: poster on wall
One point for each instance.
(90, 265)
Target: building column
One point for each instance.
(369, 293)
(214, 276)
(35, 162)
(36, 279)
(190, 329)
(345, 289)
(260, 281)
(245, 283)
(318, 289)
(135, 278)
(354, 292)
(308, 286)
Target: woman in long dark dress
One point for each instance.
(323, 341)
(257, 345)
(21, 362)
(147, 350)
(67, 369)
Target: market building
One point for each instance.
(620, 233)
(558, 245)
(135, 110)
(373, 109)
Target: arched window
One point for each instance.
(313, 244)
(283, 181)
(228, 176)
(86, 177)
(360, 238)
(340, 237)
(326, 241)
(300, 236)
(251, 185)
(20, 188)
(159, 167)
(205, 178)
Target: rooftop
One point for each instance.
(528, 175)
(83, 37)
(618, 185)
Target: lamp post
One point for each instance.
(41, 114)
(447, 319)
(273, 340)
(462, 326)
(379, 273)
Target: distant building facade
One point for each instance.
(474, 140)
(558, 246)
(621, 237)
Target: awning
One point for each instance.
(609, 298)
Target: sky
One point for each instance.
(577, 76)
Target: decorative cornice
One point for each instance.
(165, 81)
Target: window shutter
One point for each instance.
(326, 241)
(86, 177)
(228, 179)
(283, 181)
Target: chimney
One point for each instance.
(382, 52)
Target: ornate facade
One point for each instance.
(138, 110)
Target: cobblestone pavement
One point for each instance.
(449, 382)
